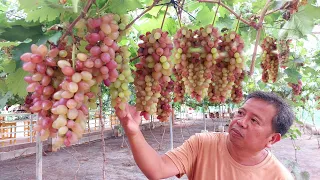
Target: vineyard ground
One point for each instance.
(85, 161)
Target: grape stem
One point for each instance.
(82, 14)
(164, 16)
(263, 13)
(145, 11)
(134, 58)
(229, 9)
(181, 8)
(215, 15)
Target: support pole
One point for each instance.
(171, 131)
(38, 156)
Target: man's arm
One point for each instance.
(153, 165)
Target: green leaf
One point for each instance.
(205, 16)
(3, 87)
(155, 11)
(4, 99)
(9, 43)
(171, 26)
(8, 66)
(124, 6)
(16, 84)
(310, 70)
(293, 75)
(147, 24)
(301, 23)
(15, 33)
(41, 10)
(54, 38)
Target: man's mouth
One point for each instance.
(238, 133)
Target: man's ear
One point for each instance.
(273, 139)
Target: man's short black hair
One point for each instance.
(282, 121)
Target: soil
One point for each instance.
(85, 161)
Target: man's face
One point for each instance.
(251, 127)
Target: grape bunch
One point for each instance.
(64, 83)
(119, 90)
(163, 107)
(270, 60)
(153, 71)
(196, 52)
(296, 88)
(284, 51)
(228, 71)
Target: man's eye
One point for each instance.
(254, 121)
(240, 112)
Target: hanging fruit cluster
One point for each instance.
(296, 88)
(207, 64)
(152, 77)
(63, 83)
(270, 60)
(284, 51)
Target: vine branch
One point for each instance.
(82, 14)
(258, 36)
(229, 9)
(140, 15)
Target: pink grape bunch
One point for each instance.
(64, 83)
(284, 51)
(228, 69)
(296, 88)
(153, 71)
(270, 60)
(119, 90)
(196, 53)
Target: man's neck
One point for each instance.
(244, 157)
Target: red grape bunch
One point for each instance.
(153, 71)
(119, 90)
(228, 69)
(270, 60)
(284, 51)
(296, 88)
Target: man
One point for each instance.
(239, 154)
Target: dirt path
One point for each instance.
(85, 161)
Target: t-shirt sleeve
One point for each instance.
(185, 156)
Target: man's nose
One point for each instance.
(243, 122)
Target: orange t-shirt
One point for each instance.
(205, 156)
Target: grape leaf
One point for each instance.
(4, 99)
(16, 83)
(14, 33)
(123, 6)
(8, 66)
(41, 10)
(170, 26)
(293, 75)
(43, 14)
(203, 16)
(301, 23)
(155, 11)
(3, 87)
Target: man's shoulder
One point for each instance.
(278, 168)
(210, 137)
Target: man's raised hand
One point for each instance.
(130, 119)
